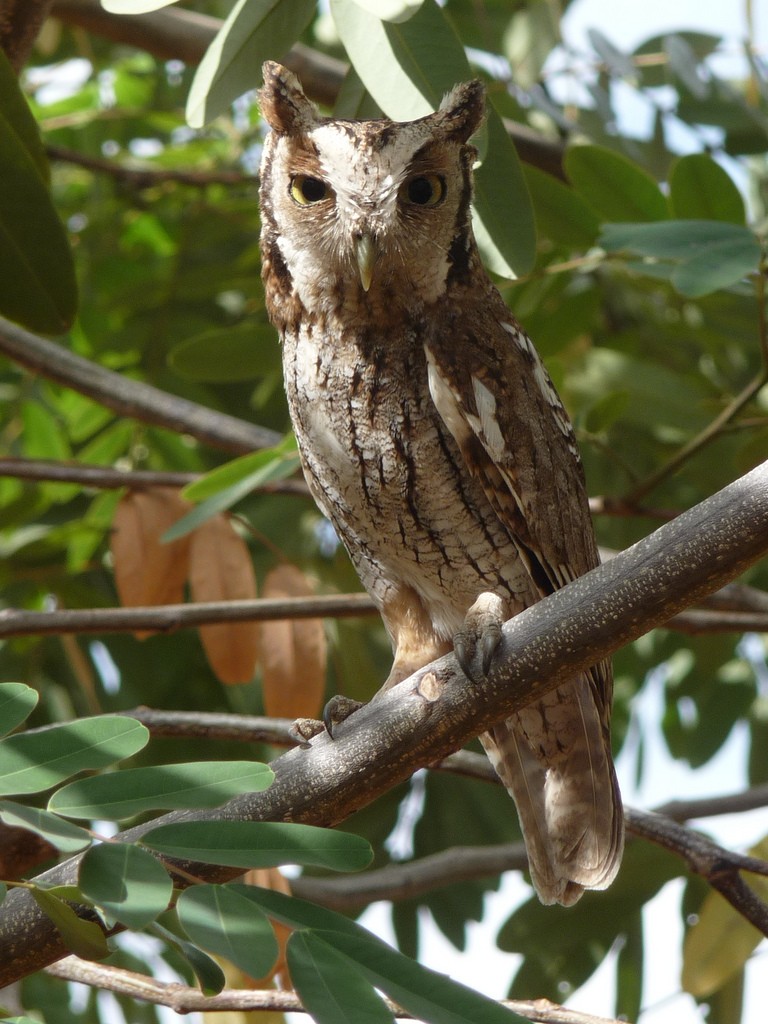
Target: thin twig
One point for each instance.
(147, 176)
(108, 478)
(170, 617)
(129, 397)
(183, 999)
(718, 866)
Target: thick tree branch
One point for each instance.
(131, 397)
(183, 999)
(436, 710)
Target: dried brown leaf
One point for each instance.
(220, 569)
(293, 652)
(148, 572)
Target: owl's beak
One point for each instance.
(365, 251)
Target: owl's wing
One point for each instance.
(499, 404)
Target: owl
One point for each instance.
(432, 437)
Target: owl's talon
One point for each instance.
(337, 710)
(476, 645)
(464, 652)
(304, 729)
(488, 645)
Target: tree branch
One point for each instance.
(20, 21)
(169, 617)
(436, 710)
(131, 397)
(186, 35)
(108, 478)
(718, 866)
(183, 999)
(410, 879)
(148, 176)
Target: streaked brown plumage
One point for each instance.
(432, 437)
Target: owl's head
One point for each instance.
(365, 214)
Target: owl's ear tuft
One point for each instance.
(283, 104)
(462, 110)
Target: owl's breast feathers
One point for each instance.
(385, 469)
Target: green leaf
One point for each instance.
(391, 10)
(17, 701)
(407, 68)
(617, 62)
(701, 44)
(699, 189)
(207, 971)
(508, 242)
(220, 919)
(529, 37)
(629, 972)
(228, 484)
(254, 31)
(63, 835)
(707, 254)
(135, 6)
(34, 761)
(683, 63)
(223, 354)
(14, 110)
(166, 787)
(330, 988)
(84, 938)
(128, 883)
(561, 213)
(264, 467)
(37, 277)
(260, 844)
(427, 995)
(613, 185)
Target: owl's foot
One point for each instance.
(476, 642)
(337, 710)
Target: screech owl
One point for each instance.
(432, 437)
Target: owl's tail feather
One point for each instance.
(554, 758)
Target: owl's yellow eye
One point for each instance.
(306, 190)
(425, 189)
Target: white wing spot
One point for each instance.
(446, 401)
(521, 338)
(486, 408)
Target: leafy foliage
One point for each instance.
(641, 278)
